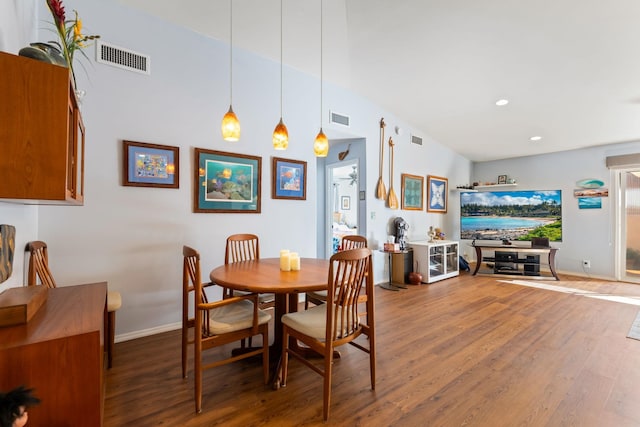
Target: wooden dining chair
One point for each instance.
(335, 323)
(221, 322)
(39, 271)
(189, 320)
(348, 242)
(245, 247)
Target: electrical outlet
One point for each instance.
(586, 263)
(373, 215)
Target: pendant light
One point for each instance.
(280, 133)
(230, 124)
(321, 144)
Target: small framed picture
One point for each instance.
(412, 192)
(289, 179)
(502, 179)
(437, 189)
(150, 165)
(345, 203)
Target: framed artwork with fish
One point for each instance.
(226, 182)
(150, 165)
(437, 189)
(289, 179)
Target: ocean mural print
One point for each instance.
(511, 215)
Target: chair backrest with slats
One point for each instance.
(349, 273)
(191, 282)
(241, 247)
(39, 265)
(353, 242)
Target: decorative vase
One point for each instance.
(45, 52)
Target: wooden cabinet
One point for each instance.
(59, 353)
(42, 136)
(436, 260)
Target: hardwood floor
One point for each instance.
(465, 351)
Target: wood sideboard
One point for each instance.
(60, 354)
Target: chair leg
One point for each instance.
(198, 384)
(284, 363)
(185, 343)
(111, 327)
(265, 354)
(328, 361)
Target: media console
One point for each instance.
(516, 260)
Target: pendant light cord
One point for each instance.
(280, 59)
(231, 52)
(321, 54)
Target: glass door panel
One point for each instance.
(436, 260)
(631, 204)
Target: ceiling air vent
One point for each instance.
(339, 119)
(416, 140)
(122, 58)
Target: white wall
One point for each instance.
(132, 237)
(587, 233)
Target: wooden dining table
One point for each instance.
(264, 276)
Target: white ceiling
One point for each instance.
(570, 68)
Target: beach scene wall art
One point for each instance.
(511, 215)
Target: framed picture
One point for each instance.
(437, 189)
(150, 165)
(226, 182)
(502, 179)
(591, 192)
(289, 179)
(345, 203)
(412, 192)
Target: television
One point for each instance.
(511, 215)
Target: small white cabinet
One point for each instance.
(435, 260)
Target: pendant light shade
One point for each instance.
(230, 123)
(321, 145)
(280, 133)
(280, 136)
(230, 126)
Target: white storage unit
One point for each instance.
(436, 260)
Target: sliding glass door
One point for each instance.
(629, 225)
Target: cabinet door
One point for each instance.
(452, 257)
(436, 261)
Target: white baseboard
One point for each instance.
(148, 332)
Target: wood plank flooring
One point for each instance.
(468, 351)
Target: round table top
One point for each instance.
(264, 276)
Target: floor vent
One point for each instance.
(416, 140)
(122, 58)
(339, 119)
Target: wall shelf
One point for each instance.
(484, 187)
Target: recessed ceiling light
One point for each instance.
(535, 138)
(502, 102)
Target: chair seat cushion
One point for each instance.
(114, 300)
(312, 322)
(233, 317)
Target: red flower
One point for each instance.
(57, 10)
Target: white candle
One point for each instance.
(285, 260)
(295, 261)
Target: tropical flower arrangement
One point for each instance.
(69, 32)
